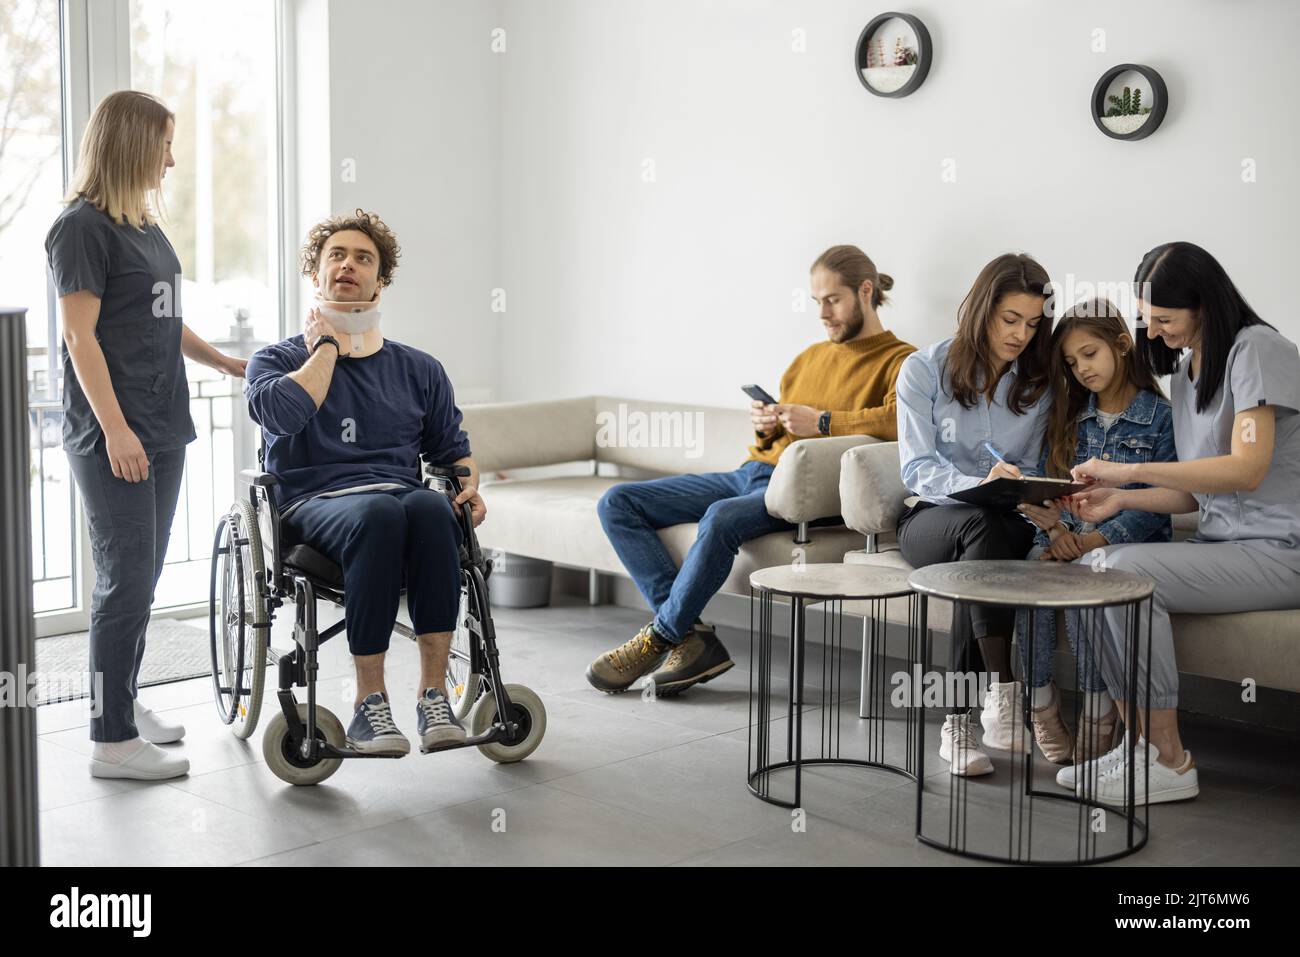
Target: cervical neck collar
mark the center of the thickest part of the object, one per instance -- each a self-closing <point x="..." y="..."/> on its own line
<point x="357" y="324"/>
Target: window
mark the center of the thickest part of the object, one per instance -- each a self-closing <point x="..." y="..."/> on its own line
<point x="217" y="68"/>
<point x="31" y="186"/>
<point x="214" y="66"/>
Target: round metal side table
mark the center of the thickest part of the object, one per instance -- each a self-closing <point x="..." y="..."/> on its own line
<point x="878" y="737"/>
<point x="1019" y="814"/>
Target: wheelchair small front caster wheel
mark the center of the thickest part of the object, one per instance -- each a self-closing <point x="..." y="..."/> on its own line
<point x="527" y="711"/>
<point x="283" y="758"/>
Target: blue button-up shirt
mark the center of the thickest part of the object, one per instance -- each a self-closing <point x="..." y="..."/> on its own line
<point x="941" y="444"/>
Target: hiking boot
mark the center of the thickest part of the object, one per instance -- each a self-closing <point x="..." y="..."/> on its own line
<point x="616" y="670"/>
<point x="698" y="658"/>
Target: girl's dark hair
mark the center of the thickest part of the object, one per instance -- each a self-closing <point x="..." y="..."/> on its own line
<point x="970" y="368"/>
<point x="1100" y="318"/>
<point x="1185" y="276"/>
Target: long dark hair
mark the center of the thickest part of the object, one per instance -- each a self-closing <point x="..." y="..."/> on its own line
<point x="970" y="368"/>
<point x="1185" y="276"/>
<point x="1100" y="318"/>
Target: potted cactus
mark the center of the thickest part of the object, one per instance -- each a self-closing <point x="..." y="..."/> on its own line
<point x="1125" y="112"/>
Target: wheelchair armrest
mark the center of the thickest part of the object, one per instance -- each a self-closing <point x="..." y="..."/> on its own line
<point x="258" y="477"/>
<point x="446" y="471"/>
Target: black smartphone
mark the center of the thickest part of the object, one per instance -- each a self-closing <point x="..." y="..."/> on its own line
<point x="757" y="393"/>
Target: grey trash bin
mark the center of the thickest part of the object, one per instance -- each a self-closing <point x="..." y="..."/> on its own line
<point x="519" y="582"/>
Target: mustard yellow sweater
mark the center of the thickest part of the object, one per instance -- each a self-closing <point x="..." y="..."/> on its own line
<point x="854" y="380"/>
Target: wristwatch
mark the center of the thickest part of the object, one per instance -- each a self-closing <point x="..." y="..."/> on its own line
<point x="331" y="340"/>
<point x="824" y="423"/>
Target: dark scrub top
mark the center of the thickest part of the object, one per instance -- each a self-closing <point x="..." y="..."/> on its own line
<point x="139" y="330"/>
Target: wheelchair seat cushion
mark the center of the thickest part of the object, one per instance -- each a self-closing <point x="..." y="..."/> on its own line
<point x="317" y="566"/>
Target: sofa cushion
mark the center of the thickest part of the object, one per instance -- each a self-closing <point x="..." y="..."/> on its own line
<point x="514" y="435"/>
<point x="670" y="438"/>
<point x="871" y="490"/>
<point x="805" y="485"/>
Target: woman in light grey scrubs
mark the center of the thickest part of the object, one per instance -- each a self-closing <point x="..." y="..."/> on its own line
<point x="1235" y="397"/>
<point x="126" y="407"/>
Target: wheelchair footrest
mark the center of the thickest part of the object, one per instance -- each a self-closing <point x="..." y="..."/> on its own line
<point x="495" y="733"/>
<point x="329" y="751"/>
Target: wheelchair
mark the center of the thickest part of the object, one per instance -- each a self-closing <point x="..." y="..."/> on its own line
<point x="253" y="574"/>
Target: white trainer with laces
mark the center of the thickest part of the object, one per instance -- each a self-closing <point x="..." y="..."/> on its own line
<point x="958" y="747"/>
<point x="154" y="728"/>
<point x="1074" y="776"/>
<point x="1153" y="782"/>
<point x="1002" y="720"/>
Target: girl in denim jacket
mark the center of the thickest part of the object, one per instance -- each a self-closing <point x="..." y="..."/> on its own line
<point x="1104" y="406"/>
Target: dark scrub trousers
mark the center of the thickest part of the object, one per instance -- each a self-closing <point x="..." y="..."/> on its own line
<point x="136" y="275"/>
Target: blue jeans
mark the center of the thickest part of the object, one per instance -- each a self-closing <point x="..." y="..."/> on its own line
<point x="729" y="507"/>
<point x="1039" y="670"/>
<point x="129" y="523"/>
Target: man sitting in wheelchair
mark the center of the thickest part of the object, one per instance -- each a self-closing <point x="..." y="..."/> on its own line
<point x="345" y="416"/>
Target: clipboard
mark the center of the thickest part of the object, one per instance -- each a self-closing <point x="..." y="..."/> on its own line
<point x="1007" y="493"/>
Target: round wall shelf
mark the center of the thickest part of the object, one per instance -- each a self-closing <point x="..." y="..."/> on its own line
<point x="893" y="54"/>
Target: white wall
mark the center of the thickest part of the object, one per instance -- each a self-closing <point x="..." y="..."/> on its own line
<point x="407" y="91"/>
<point x="681" y="288"/>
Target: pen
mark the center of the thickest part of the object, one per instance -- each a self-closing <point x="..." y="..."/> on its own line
<point x="996" y="454"/>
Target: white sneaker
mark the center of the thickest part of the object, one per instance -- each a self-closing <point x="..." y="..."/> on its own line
<point x="957" y="735"/>
<point x="1164" y="784"/>
<point x="154" y="728"/>
<point x="1004" y="725"/>
<point x="145" y="762"/>
<point x="1072" y="779"/>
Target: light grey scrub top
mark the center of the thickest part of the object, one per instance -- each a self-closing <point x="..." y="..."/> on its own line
<point x="1263" y="369"/>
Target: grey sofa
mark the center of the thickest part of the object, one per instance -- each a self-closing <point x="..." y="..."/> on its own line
<point x="553" y="516"/>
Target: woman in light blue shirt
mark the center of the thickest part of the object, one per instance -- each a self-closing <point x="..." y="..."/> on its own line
<point x="986" y="386"/>
<point x="1235" y="394"/>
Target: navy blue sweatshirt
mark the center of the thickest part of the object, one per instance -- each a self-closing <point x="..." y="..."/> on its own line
<point x="380" y="413"/>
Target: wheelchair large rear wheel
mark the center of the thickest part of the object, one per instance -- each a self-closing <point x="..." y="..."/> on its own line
<point x="527" y="711"/>
<point x="283" y="758"/>
<point x="237" y="622"/>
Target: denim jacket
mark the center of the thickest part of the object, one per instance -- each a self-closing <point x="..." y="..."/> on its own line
<point x="1144" y="432"/>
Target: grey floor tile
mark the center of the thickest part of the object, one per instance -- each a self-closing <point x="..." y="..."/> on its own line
<point x="535" y="825"/>
<point x="158" y="825"/>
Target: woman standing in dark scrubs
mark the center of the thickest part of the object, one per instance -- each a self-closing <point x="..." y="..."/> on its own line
<point x="126" y="406"/>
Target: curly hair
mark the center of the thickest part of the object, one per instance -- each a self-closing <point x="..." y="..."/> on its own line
<point x="363" y="222"/>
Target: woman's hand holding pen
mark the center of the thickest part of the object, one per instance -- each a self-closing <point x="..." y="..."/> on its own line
<point x="1002" y="470"/>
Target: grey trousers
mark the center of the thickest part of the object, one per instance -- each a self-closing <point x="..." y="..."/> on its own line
<point x="130" y="523"/>
<point x="1194" y="578"/>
